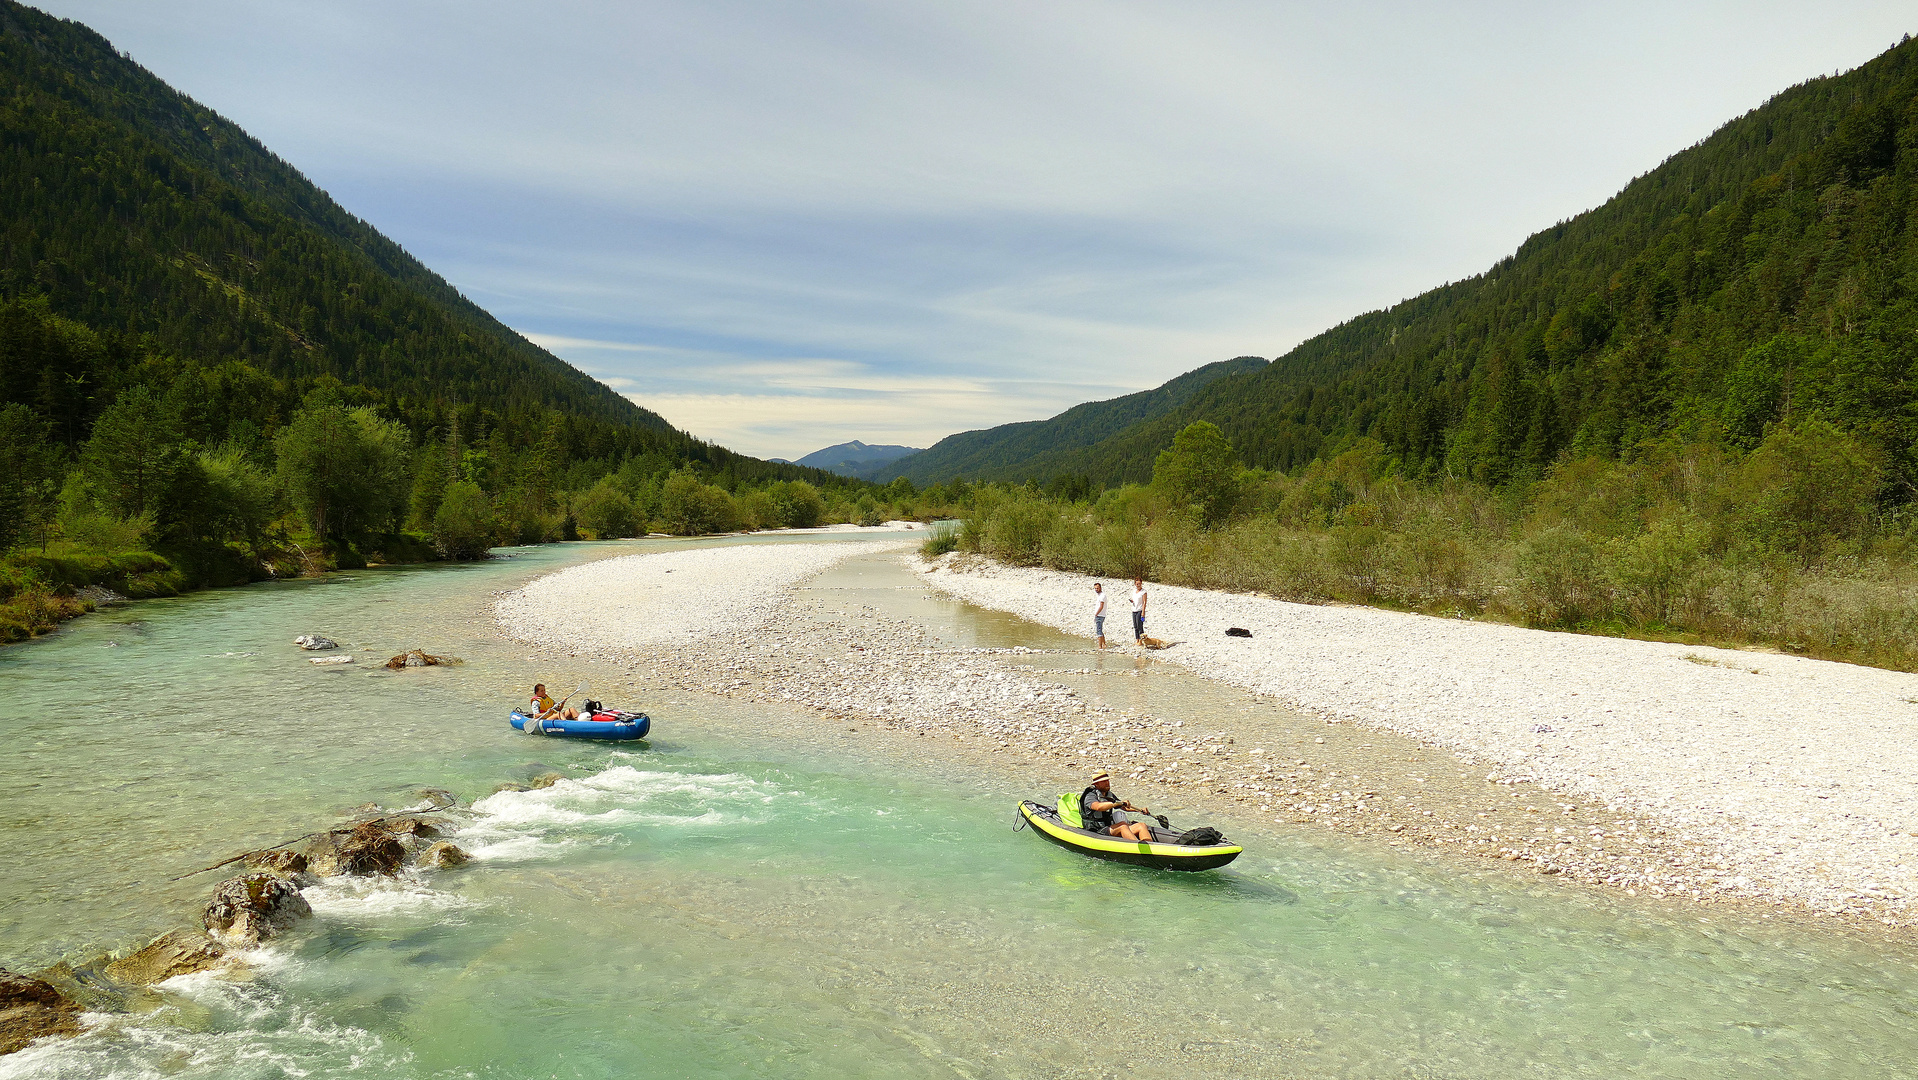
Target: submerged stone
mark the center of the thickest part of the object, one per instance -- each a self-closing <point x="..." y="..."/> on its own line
<point x="179" y="952"/>
<point x="444" y="854"/>
<point x="32" y="1009"/>
<point x="411" y="826"/>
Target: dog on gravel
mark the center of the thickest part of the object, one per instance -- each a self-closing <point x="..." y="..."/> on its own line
<point x="1153" y="643"/>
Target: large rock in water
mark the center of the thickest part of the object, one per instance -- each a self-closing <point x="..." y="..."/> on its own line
<point x="248" y="910"/>
<point x="282" y="861"/>
<point x="180" y="952"/>
<point x="411" y="826"/>
<point x="367" y="849"/>
<point x="416" y="658"/>
<point x="443" y="855"/>
<point x="315" y="642"/>
<point x="32" y="1009"/>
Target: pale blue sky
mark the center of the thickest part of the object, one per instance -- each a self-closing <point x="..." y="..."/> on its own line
<point x="788" y="225"/>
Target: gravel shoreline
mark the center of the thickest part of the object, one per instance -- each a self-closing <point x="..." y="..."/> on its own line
<point x="1788" y="778"/>
<point x="1675" y="770"/>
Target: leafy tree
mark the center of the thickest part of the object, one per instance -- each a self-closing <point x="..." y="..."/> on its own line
<point x="796" y="504"/>
<point x="236" y="499"/>
<point x="29" y="471"/>
<point x="1806" y="488"/>
<point x="463" y="527"/>
<point x="1199" y="470"/>
<point x="690" y="508"/>
<point x="606" y="512"/>
<point x="433" y="470"/>
<point x="344" y="469"/>
<point x="136" y="457"/>
<point x="756" y="510"/>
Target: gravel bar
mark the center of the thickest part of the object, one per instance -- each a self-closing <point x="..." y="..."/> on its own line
<point x="639" y="601"/>
<point x="1793" y="776"/>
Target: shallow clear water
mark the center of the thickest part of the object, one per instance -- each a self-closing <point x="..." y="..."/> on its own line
<point x="719" y="902"/>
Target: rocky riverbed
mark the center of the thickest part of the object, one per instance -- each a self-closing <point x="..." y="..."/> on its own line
<point x="1624" y="764"/>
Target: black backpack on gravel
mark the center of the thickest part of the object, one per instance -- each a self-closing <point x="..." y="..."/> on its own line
<point x="1203" y="836"/>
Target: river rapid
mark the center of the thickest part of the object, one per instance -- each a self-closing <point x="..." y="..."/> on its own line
<point x="726" y="901"/>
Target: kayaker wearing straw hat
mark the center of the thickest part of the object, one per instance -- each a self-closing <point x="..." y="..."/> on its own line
<point x="1097" y="807"/>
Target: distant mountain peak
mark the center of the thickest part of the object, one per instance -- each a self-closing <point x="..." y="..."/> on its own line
<point x="855" y="458"/>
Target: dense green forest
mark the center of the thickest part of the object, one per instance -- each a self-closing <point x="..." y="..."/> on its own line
<point x="1765" y="275"/>
<point x="133" y="209"/>
<point x="211" y="373"/>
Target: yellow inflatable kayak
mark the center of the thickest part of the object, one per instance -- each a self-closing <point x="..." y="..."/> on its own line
<point x="1164" y="852"/>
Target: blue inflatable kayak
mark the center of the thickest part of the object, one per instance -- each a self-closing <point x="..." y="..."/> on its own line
<point x="625" y="725"/>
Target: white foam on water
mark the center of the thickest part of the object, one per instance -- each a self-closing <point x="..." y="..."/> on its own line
<point x="358" y="899"/>
<point x="617" y="796"/>
<point x="259" y="1035"/>
<point x="517" y="849"/>
<point x="212" y="985"/>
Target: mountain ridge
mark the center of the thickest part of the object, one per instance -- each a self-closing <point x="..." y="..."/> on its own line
<point x="131" y="207"/>
<point x="1767" y="271"/>
<point x="1026" y="449"/>
<point x="856" y="459"/>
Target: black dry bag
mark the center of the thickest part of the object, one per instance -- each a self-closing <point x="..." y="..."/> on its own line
<point x="1203" y="836"/>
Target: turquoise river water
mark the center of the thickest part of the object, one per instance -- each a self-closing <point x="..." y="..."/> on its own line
<point x="724" y="902"/>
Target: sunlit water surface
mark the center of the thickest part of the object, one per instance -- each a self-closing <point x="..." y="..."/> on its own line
<point x="722" y="902"/>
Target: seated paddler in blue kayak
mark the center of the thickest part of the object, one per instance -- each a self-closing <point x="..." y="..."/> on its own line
<point x="1099" y="807"/>
<point x="542" y="704"/>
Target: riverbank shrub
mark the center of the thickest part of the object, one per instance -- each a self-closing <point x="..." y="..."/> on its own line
<point x="606" y="513"/>
<point x="1781" y="546"/>
<point x="796" y="504"/>
<point x="463" y="526"/>
<point x="943" y="538"/>
<point x="688" y="507"/>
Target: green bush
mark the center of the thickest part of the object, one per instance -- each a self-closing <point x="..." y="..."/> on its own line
<point x="757" y="511"/>
<point x="606" y="513"/>
<point x="463" y="527"/>
<point x="798" y="505"/>
<point x="690" y="508"/>
<point x="943" y="538"/>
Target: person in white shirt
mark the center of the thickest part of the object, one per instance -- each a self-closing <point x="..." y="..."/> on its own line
<point x="1099" y="612"/>
<point x="1138" y="610"/>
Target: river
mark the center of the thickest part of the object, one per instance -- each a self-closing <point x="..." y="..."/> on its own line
<point x="722" y="901"/>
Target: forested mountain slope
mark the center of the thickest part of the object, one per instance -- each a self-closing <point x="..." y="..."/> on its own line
<point x="1768" y="273"/>
<point x="209" y="371"/>
<point x="133" y="209"/>
<point x="1035" y="447"/>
